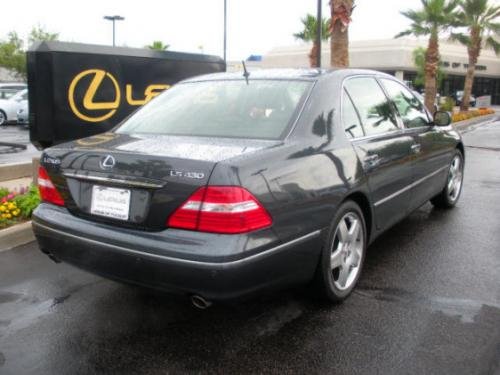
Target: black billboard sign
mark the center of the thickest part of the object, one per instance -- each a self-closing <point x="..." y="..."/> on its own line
<point x="77" y="90"/>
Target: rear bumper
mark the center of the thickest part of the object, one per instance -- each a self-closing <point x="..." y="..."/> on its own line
<point x="177" y="261"/>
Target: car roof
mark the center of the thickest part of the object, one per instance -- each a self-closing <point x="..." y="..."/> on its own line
<point x="12" y="84"/>
<point x="309" y="74"/>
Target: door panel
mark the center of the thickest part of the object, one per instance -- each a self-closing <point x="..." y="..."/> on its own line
<point x="384" y="151"/>
<point x="386" y="162"/>
<point x="428" y="150"/>
<point x="429" y="164"/>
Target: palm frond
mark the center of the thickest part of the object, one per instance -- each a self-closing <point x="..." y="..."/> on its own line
<point x="493" y="27"/>
<point x="309" y="30"/>
<point x="493" y="44"/>
<point x="461" y="38"/>
<point x="403" y="33"/>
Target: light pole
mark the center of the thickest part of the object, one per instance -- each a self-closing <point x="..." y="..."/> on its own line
<point x="319" y="25"/>
<point x="225" y="29"/>
<point x="114" y="18"/>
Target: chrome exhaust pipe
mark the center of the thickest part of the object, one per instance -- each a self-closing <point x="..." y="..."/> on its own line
<point x="200" y="302"/>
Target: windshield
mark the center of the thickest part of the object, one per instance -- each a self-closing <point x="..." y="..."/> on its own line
<point x="261" y="109"/>
<point x="20" y="95"/>
<point x="7" y="93"/>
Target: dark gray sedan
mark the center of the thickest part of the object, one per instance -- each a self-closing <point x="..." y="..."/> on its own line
<point x="223" y="186"/>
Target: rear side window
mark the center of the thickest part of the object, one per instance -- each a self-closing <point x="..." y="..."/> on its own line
<point x="259" y="109"/>
<point x="410" y="109"/>
<point x="350" y="119"/>
<point x="375" y="110"/>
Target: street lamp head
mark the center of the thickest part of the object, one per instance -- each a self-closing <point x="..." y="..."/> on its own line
<point x="114" y="18"/>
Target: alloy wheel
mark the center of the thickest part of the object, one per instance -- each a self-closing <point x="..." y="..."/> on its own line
<point x="347" y="251"/>
<point x="454" y="184"/>
<point x="2" y="118"/>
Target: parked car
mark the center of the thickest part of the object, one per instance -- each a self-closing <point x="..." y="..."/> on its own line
<point x="9" y="89"/>
<point x="23" y="113"/>
<point x="9" y="107"/>
<point x="221" y="187"/>
<point x="458" y="95"/>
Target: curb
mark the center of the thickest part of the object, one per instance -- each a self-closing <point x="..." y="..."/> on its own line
<point x="15" y="171"/>
<point x="463" y="126"/>
<point x="16" y="235"/>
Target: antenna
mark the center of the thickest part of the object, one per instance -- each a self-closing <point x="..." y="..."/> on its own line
<point x="245" y="71"/>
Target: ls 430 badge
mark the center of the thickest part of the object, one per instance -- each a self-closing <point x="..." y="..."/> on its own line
<point x="195" y="175"/>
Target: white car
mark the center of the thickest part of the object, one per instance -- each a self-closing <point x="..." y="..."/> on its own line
<point x="9" y="89"/>
<point x="9" y="107"/>
<point x="23" y="114"/>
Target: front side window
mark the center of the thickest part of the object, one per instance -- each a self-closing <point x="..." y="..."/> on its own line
<point x="410" y="109"/>
<point x="259" y="109"/>
<point x="350" y="119"/>
<point x="375" y="110"/>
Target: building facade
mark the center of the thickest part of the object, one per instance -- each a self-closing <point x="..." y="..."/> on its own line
<point x="395" y="56"/>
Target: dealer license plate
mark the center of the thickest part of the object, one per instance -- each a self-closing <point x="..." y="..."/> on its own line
<point x="110" y="202"/>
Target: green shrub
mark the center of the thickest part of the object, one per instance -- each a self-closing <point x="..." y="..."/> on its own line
<point x="28" y="201"/>
<point x="3" y="192"/>
<point x="16" y="207"/>
<point x="447" y="105"/>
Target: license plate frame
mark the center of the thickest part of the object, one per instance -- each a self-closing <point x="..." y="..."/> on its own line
<point x="110" y="202"/>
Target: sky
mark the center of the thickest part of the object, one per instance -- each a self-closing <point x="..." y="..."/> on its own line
<point x="254" y="26"/>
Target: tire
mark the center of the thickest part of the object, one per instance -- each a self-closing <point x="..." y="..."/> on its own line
<point x="343" y="254"/>
<point x="448" y="197"/>
<point x="3" y="118"/>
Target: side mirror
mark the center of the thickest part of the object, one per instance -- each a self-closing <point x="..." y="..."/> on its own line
<point x="442" y="118"/>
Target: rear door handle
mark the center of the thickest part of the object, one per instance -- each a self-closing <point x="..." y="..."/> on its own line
<point x="372" y="160"/>
<point x="416" y="148"/>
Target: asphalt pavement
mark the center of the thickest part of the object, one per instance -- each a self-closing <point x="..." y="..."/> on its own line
<point x="18" y="135"/>
<point x="428" y="303"/>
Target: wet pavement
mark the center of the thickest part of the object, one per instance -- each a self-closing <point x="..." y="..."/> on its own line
<point x="19" y="135"/>
<point x="428" y="303"/>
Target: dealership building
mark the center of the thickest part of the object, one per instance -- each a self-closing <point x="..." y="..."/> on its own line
<point x="395" y="56"/>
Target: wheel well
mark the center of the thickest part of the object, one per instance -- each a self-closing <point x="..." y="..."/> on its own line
<point x="363" y="202"/>
<point x="460" y="146"/>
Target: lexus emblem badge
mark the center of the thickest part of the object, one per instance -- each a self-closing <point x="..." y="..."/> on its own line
<point x="107" y="162"/>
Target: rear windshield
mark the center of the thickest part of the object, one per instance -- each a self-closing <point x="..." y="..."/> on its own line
<point x="261" y="109"/>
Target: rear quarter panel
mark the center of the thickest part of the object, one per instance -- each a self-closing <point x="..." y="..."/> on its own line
<point x="302" y="181"/>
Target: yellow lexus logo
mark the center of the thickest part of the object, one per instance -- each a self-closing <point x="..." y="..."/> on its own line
<point x="88" y="99"/>
<point x="99" y="78"/>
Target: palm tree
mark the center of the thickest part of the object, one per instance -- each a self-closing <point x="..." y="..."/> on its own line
<point x="479" y="17"/>
<point x="308" y="34"/>
<point x="419" y="63"/>
<point x="341" y="11"/>
<point x="435" y="17"/>
<point x="158" y="45"/>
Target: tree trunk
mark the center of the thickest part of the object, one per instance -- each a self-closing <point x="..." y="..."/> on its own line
<point x="473" y="50"/>
<point x="431" y="65"/>
<point x="313" y="55"/>
<point x="339" y="41"/>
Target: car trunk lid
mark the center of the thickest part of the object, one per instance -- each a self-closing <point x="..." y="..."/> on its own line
<point x="139" y="180"/>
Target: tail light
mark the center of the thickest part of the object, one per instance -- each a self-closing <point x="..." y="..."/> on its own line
<point x="221" y="209"/>
<point x="48" y="191"/>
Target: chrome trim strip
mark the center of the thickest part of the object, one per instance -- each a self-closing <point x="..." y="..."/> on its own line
<point x="185" y="261"/>
<point x="119" y="181"/>
<point x="383" y="200"/>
